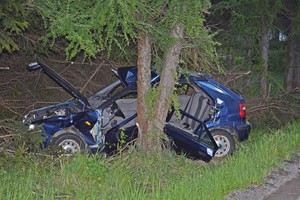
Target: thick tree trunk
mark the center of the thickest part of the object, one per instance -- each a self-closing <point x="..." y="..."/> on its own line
<point x="149" y="135"/>
<point x="143" y="87"/>
<point x="167" y="80"/>
<point x="265" y="43"/>
<point x="151" y="129"/>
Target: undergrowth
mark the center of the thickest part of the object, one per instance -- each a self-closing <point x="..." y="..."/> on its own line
<point x="132" y="176"/>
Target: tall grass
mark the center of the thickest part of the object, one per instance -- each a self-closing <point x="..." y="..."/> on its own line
<point x="136" y="177"/>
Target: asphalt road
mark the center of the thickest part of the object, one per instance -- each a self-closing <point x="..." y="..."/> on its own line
<point x="289" y="191"/>
<point x="282" y="184"/>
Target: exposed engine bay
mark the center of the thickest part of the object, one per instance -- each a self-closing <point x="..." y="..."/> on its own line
<point x="58" y="110"/>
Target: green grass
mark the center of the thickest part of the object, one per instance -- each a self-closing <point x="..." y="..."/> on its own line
<point x="136" y="177"/>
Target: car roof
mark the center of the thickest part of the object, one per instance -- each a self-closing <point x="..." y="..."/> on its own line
<point x="191" y="78"/>
<point x="128" y="75"/>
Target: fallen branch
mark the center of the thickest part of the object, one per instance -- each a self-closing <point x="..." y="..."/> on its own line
<point x="239" y="76"/>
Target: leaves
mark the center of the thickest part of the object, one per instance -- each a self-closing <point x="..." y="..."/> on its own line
<point x="95" y="26"/>
<point x="12" y="23"/>
<point x="89" y="26"/>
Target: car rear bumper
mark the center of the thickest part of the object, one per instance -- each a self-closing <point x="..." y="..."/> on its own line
<point x="243" y="131"/>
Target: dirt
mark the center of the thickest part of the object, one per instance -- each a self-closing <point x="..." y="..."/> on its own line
<point x="283" y="183"/>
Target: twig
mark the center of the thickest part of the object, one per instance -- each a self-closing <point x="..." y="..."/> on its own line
<point x="92" y="76"/>
<point x="10" y="135"/>
<point x="10" y="109"/>
<point x="239" y="76"/>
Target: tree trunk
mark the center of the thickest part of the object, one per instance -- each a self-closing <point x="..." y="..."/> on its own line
<point x="143" y="87"/>
<point x="292" y="78"/>
<point x="265" y="43"/>
<point x="167" y="80"/>
<point x="150" y="129"/>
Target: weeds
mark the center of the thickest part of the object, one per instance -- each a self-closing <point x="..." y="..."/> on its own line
<point x="132" y="176"/>
<point x="15" y="138"/>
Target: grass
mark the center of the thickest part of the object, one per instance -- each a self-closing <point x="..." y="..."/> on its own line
<point x="136" y="177"/>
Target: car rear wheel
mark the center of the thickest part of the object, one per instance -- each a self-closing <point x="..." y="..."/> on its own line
<point x="225" y="143"/>
<point x="69" y="143"/>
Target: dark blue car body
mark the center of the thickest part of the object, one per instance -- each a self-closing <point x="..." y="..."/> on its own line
<point x="229" y="105"/>
<point x="102" y="121"/>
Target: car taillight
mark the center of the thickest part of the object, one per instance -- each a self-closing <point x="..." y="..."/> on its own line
<point x="242" y="110"/>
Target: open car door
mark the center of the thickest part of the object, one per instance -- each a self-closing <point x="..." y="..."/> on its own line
<point x="190" y="134"/>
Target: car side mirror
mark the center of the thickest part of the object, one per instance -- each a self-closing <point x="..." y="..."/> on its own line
<point x="34" y="66"/>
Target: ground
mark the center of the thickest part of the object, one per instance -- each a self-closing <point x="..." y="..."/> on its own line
<point x="283" y="183"/>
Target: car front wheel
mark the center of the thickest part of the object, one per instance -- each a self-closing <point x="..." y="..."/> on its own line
<point x="69" y="143"/>
<point x="225" y="143"/>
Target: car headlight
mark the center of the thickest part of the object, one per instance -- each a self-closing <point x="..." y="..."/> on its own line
<point x="210" y="152"/>
<point x="31" y="127"/>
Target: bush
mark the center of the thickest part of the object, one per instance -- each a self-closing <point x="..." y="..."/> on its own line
<point x="15" y="138"/>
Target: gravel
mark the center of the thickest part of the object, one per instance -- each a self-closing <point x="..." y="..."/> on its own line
<point x="283" y="183"/>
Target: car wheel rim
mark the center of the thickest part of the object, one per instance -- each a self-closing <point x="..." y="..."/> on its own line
<point x="70" y="147"/>
<point x="223" y="144"/>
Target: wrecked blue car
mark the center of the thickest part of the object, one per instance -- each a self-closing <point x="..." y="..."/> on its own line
<point x="211" y="116"/>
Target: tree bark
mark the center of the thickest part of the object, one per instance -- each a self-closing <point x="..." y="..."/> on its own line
<point x="265" y="43"/>
<point x="143" y="87"/>
<point x="167" y="80"/>
<point x="151" y="129"/>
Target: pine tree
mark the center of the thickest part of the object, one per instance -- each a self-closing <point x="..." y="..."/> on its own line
<point x="12" y="23"/>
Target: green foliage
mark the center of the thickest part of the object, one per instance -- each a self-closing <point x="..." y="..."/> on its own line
<point x="89" y="26"/>
<point x="12" y="23"/>
<point x="242" y="23"/>
<point x="248" y="17"/>
<point x="15" y="137"/>
<point x="296" y="20"/>
<point x="175" y="104"/>
<point x="94" y="26"/>
<point x="177" y="90"/>
<point x="150" y="100"/>
<point x="277" y="57"/>
<point x="200" y="52"/>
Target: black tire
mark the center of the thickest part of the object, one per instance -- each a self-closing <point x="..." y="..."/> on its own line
<point x="225" y="142"/>
<point x="69" y="143"/>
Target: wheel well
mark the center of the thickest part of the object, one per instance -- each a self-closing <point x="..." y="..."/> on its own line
<point x="69" y="141"/>
<point x="225" y="128"/>
<point x="70" y="129"/>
